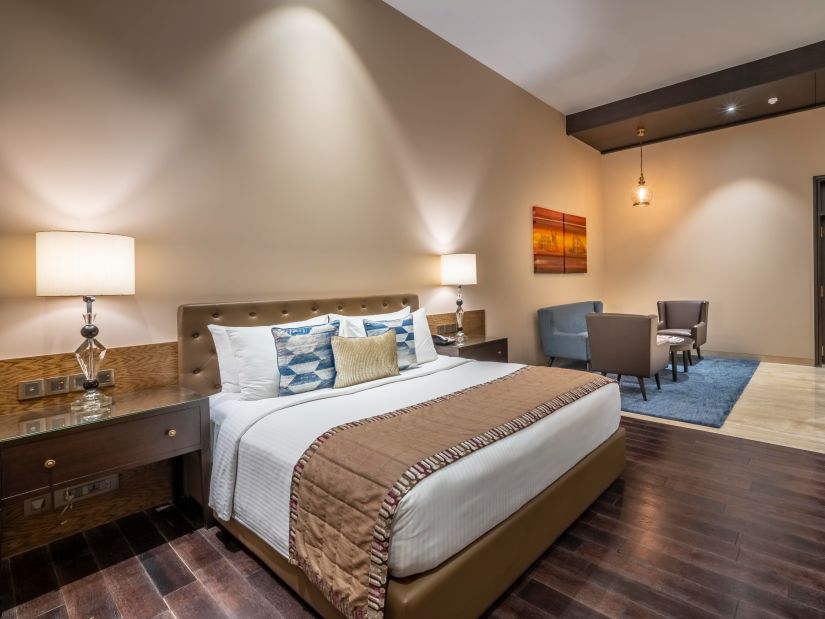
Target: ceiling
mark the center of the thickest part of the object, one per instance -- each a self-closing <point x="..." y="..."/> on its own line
<point x="579" y="54"/>
<point x="788" y="82"/>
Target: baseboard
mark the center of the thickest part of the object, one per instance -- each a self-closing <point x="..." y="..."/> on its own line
<point x="765" y="358"/>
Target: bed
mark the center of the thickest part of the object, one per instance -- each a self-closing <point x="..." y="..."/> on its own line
<point x="460" y="537"/>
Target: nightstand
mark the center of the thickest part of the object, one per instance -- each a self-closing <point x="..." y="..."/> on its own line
<point x="480" y="348"/>
<point x="45" y="454"/>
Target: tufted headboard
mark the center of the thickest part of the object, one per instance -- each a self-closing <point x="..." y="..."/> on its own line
<point x="197" y="361"/>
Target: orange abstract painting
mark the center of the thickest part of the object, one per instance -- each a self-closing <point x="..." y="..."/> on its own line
<point x="559" y="242"/>
<point x="548" y="241"/>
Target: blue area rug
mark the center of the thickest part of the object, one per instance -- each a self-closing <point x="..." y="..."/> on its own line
<point x="704" y="396"/>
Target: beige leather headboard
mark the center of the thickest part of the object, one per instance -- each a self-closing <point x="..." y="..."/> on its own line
<point x="197" y="362"/>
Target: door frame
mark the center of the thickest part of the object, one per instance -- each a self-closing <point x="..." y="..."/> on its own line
<point x="819" y="212"/>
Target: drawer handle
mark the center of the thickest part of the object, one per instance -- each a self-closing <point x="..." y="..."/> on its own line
<point x="172" y="433"/>
<point x="499" y="352"/>
<point x="50" y="463"/>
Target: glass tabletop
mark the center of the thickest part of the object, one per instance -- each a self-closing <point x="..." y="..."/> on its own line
<point x="26" y="423"/>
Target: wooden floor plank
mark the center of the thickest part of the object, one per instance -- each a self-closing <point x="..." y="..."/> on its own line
<point x="233" y="593"/>
<point x="166" y="569"/>
<point x="133" y="592"/>
<point x="556" y="603"/>
<point x="577" y="586"/>
<point x="194" y="602"/>
<point x="670" y="583"/>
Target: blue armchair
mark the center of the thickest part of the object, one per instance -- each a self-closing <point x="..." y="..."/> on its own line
<point x="563" y="330"/>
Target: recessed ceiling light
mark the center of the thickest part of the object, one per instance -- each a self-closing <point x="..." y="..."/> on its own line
<point x="773" y="100"/>
<point x="730" y="109"/>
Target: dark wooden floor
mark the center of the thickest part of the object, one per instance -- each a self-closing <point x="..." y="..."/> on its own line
<point x="699" y="525"/>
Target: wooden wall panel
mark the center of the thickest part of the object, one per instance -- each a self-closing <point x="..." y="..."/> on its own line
<point x="474" y="322"/>
<point x="136" y="367"/>
<point x="140" y="488"/>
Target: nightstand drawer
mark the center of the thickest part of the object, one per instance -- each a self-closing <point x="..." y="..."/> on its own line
<point x="37" y="464"/>
<point x="488" y="351"/>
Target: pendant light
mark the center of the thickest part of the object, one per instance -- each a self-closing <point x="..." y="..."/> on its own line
<point x="641" y="193"/>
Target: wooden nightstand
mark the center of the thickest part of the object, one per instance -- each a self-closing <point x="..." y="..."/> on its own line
<point x="480" y="348"/>
<point x="45" y="453"/>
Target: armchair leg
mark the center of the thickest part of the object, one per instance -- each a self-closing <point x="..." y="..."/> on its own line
<point x="550" y="361"/>
<point x="588" y="366"/>
<point x="618" y="378"/>
<point x="658" y="381"/>
<point x="699" y="352"/>
<point x="642" y="387"/>
<point x="690" y="357"/>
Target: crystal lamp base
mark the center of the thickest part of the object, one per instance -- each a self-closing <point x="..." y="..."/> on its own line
<point x="93" y="405"/>
<point x="459" y="318"/>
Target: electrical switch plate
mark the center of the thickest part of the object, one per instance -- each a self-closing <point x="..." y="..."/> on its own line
<point x="30" y="389"/>
<point x="57" y="384"/>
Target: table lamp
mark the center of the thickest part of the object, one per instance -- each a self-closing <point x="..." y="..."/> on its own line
<point x="86" y="264"/>
<point x="458" y="270"/>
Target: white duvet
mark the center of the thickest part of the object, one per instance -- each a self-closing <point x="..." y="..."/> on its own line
<point x="256" y="446"/>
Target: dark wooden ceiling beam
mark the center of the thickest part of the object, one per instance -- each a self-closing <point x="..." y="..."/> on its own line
<point x="770" y="69"/>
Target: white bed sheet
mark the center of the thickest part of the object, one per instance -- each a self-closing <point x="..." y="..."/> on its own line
<point x="443" y="513"/>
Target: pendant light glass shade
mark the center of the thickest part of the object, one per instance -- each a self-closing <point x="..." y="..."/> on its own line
<point x="641" y="193"/>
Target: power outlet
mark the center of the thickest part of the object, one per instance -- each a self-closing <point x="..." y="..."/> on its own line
<point x="37" y="505"/>
<point x="445" y="329"/>
<point x="86" y="491"/>
<point x="76" y="382"/>
<point x="106" y="378"/>
<point x="56" y="385"/>
<point x="30" y="389"/>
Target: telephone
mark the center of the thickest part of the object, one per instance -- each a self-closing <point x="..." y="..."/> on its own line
<point x="443" y="340"/>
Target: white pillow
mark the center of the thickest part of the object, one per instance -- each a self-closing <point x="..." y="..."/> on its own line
<point x="257" y="359"/>
<point x="227" y="366"/>
<point x="424" y="347"/>
<point x="353" y="326"/>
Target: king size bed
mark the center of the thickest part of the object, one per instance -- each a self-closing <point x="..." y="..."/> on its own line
<point x="438" y="540"/>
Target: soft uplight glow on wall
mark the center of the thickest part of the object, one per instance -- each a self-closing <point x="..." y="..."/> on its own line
<point x="322" y="96"/>
<point x="84" y="130"/>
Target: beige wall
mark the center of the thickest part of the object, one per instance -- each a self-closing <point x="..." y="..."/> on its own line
<point x="731" y="222"/>
<point x="272" y="150"/>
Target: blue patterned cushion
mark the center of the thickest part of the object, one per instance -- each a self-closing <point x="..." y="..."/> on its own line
<point x="305" y="357"/>
<point x="404" y="338"/>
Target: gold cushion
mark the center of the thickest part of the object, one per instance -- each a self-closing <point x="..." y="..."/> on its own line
<point x="361" y="359"/>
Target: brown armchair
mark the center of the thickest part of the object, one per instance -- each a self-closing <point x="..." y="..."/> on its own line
<point x="685" y="319"/>
<point x="627" y="344"/>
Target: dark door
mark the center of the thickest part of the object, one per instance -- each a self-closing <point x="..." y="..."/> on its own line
<point x="819" y="269"/>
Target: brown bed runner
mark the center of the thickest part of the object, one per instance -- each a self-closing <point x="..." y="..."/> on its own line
<point x="349" y="482"/>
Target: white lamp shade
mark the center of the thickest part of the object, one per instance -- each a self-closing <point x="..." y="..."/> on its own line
<point x="84" y="263"/>
<point x="458" y="269"/>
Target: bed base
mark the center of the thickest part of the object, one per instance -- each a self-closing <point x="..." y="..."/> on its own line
<point x="469" y="582"/>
